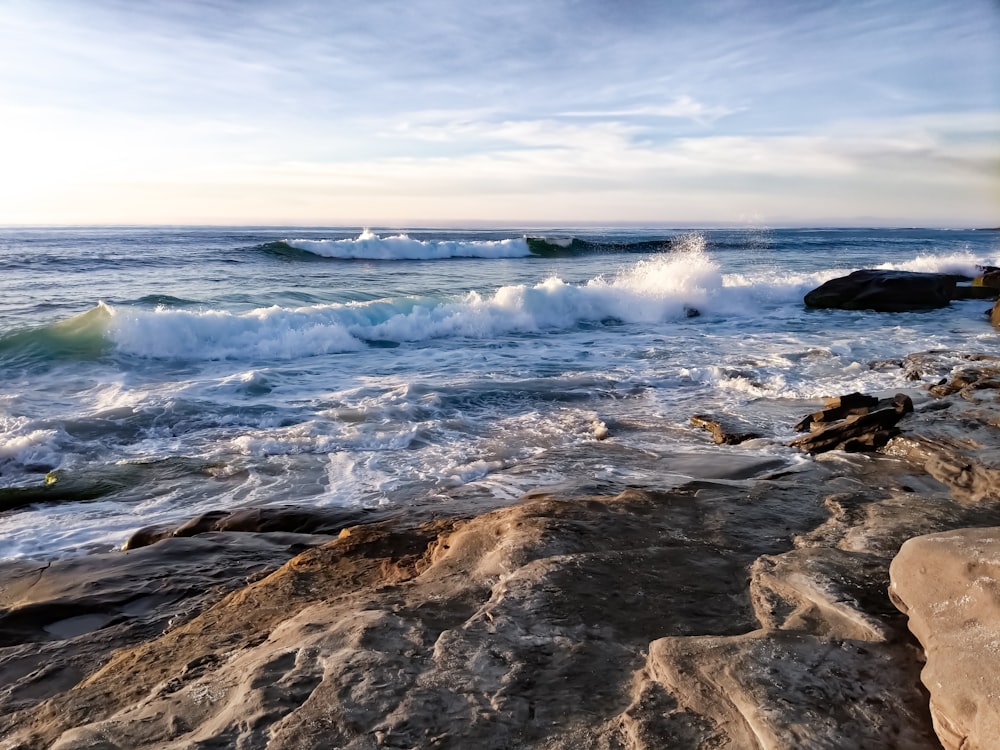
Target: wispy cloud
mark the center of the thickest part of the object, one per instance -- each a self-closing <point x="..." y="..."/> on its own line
<point x="569" y="102"/>
<point x="684" y="107"/>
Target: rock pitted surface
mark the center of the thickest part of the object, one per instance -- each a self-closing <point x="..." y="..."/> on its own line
<point x="949" y="586"/>
<point x="621" y="621"/>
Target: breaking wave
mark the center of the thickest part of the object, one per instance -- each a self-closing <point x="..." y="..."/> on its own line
<point x="657" y="289"/>
<point x="660" y="288"/>
<point x="370" y="246"/>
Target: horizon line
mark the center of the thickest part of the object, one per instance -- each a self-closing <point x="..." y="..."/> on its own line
<point x="501" y="224"/>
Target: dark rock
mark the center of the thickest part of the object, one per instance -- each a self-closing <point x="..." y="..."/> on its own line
<point x="884" y="291"/>
<point x="268" y="519"/>
<point x="975" y="291"/>
<point x="885" y="364"/>
<point x="724" y="432"/>
<point x="839" y="407"/>
<point x="858" y="432"/>
<point x="985" y="286"/>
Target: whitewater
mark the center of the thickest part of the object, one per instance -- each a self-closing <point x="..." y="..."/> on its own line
<point x="150" y="374"/>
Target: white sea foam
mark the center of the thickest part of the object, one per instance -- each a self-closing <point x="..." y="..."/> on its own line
<point x="24" y="447"/>
<point x="662" y="288"/>
<point x="963" y="264"/>
<point x="271" y="332"/>
<point x="653" y="290"/>
<point x="39" y="530"/>
<point x="370" y="246"/>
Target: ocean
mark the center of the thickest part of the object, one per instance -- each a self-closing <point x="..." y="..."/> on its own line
<point x="151" y="374"/>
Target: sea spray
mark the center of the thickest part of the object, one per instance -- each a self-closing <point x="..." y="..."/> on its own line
<point x="961" y="264"/>
<point x="666" y="286"/>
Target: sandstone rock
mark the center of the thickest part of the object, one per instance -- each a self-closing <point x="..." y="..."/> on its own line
<point x="967" y="379"/>
<point x="957" y="464"/>
<point x="600" y="622"/>
<point x="957" y="440"/>
<point x="61" y="620"/>
<point x="884" y="291"/>
<point x="732" y="688"/>
<point x="949" y="586"/>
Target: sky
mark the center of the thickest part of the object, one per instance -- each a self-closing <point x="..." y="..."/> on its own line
<point x="436" y="112"/>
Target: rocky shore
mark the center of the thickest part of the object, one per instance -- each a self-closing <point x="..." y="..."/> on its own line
<point x="848" y="602"/>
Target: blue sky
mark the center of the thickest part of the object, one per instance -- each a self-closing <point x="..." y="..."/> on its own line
<point x="429" y="112"/>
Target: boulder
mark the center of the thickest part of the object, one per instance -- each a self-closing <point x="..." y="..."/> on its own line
<point x="863" y="430"/>
<point x="836" y="408"/>
<point x="995" y="315"/>
<point x="884" y="291"/>
<point x="949" y="586"/>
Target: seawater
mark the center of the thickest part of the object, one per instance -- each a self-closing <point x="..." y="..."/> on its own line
<point x="149" y="374"/>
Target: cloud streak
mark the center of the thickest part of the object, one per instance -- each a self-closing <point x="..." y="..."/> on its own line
<point x="711" y="108"/>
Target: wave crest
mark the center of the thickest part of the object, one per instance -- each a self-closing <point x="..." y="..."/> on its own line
<point x="80" y="337"/>
<point x="370" y="246"/>
<point x="656" y="289"/>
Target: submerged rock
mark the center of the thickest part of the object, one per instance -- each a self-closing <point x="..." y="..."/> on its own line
<point x="725" y="431"/>
<point x="884" y="291"/>
<point x="269" y="518"/>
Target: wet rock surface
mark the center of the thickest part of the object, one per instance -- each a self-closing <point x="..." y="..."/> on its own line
<point x="885" y="291"/>
<point x="751" y="610"/>
<point x="725" y="430"/>
<point x="267" y="519"/>
<point x="853" y="423"/>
